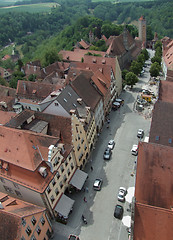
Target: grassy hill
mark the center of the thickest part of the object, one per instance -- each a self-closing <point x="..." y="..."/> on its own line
<point x="32" y="8"/>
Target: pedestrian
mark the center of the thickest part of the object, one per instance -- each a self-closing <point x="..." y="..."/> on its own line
<point x="87" y="189"/>
<point x="91" y="168"/>
<point x="85" y="200"/>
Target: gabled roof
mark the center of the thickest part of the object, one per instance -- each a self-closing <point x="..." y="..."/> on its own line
<point x="102" y="83"/>
<point x="165" y="91"/>
<point x="117" y="44"/>
<point x="83" y="86"/>
<point x="169" y="75"/>
<point x="104" y="68"/>
<point x="22" y="148"/>
<point x="154" y="175"/>
<point x="68" y="99"/>
<point x="162" y="116"/>
<point x="7" y="91"/>
<point x="6" y="103"/>
<point x="77" y="54"/>
<point x="168" y="56"/>
<point x="11" y="216"/>
<point x="84" y="44"/>
<point x="152" y="223"/>
<point x="6" y="117"/>
<point x="101" y="61"/>
<point x="34" y="90"/>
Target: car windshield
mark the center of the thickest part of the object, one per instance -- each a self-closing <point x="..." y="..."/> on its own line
<point x="96" y="183"/>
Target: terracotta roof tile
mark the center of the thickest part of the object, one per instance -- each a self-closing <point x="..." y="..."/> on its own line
<point x="6" y="117"/>
<point x="162" y="116"/>
<point x="85" y="90"/>
<point x="154" y="175"/>
<point x="77" y="54"/>
<point x="152" y="223"/>
<point x="41" y="90"/>
<point x="165" y="91"/>
<point x="7" y="92"/>
<point x="25" y="153"/>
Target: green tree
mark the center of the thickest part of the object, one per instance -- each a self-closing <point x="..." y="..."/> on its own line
<point x="124" y="72"/>
<point x="141" y="59"/>
<point x="145" y="53"/>
<point x="50" y="57"/>
<point x="32" y="78"/>
<point x="20" y="64"/>
<point x="136" y="67"/>
<point x="158" y="44"/>
<point x="3" y="82"/>
<point x="131" y="79"/>
<point x="155" y="69"/>
<point x="156" y="59"/>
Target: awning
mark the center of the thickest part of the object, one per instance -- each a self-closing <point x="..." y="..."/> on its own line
<point x="78" y="179"/>
<point x="64" y="206"/>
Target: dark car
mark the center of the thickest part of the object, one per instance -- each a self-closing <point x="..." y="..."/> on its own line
<point x="119" y="210"/>
<point x="73" y="237"/>
<point x="107" y="154"/>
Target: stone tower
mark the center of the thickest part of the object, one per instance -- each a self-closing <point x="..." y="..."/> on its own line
<point x="142" y="30"/>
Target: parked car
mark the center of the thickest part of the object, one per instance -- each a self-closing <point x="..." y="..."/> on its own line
<point x="111" y="144"/>
<point x="121" y="194"/>
<point x="73" y="237"/>
<point x="107" y="153"/>
<point x="118" y="212"/>
<point x="115" y="105"/>
<point x="97" y="184"/>
<point x="140" y="133"/>
<point x="134" y="150"/>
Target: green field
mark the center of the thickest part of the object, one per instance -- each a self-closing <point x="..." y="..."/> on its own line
<point x="121" y="1"/>
<point x="32" y="8"/>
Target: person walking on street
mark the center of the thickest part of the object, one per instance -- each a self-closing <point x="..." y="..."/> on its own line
<point x="85" y="200"/>
<point x="91" y="168"/>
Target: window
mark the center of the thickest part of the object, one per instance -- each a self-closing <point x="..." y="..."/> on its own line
<point x="28" y="230"/>
<point x="16" y="185"/>
<point x="62" y="168"/>
<point x="23" y="222"/>
<point x="56" y="161"/>
<point x="53" y="182"/>
<point x="48" y="189"/>
<point x="7" y="189"/>
<point x="38" y="230"/>
<point x="65" y="178"/>
<point x="57" y="175"/>
<point x="69" y="158"/>
<point x="52" y="198"/>
<point x="68" y="172"/>
<point x="78" y="147"/>
<point x="2" y="180"/>
<point x="33" y="238"/>
<point x="61" y="185"/>
<point x="66" y="163"/>
<point x="72" y="166"/>
<point x="42" y="221"/>
<point x="56" y="191"/>
<point x="82" y="140"/>
<point x="33" y="220"/>
<point x="18" y="193"/>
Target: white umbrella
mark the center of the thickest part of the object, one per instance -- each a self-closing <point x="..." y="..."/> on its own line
<point x="130" y="194"/>
<point x="126" y="221"/>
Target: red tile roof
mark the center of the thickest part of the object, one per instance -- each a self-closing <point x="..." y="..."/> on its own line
<point x="25" y="153"/>
<point x="154" y="175"/>
<point x="162" y="116"/>
<point x="83" y="44"/>
<point x="77" y="54"/>
<point x="6" y="116"/>
<point x="11" y="216"/>
<point x="7" y="92"/>
<point x="152" y="223"/>
<point x="83" y="87"/>
<point x="168" y="56"/>
<point x="101" y="61"/>
<point x="165" y="91"/>
<point x="34" y="90"/>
